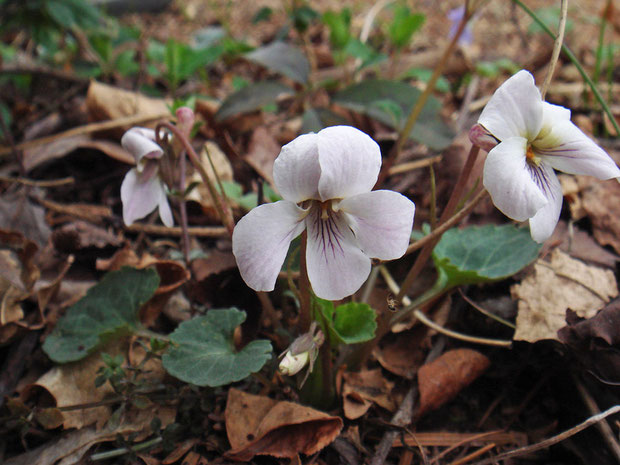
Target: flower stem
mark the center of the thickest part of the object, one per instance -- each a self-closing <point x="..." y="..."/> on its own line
<point x="223" y="209"/>
<point x="305" y="310"/>
<point x="456" y="195"/>
<point x="571" y="56"/>
<point x="403" y="136"/>
<point x="557" y="46"/>
<point x="183" y="207"/>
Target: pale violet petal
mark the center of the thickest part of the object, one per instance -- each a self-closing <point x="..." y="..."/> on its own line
<point x="515" y="109"/>
<point x="350" y="162"/>
<point x="511" y="181"/>
<point x="140" y="195"/>
<point x="140" y="142"/>
<point x="296" y="171"/>
<point x="165" y="213"/>
<point x="336" y="265"/>
<point x="381" y="221"/>
<point x="543" y="222"/>
<point x="261" y="240"/>
<point x="568" y="149"/>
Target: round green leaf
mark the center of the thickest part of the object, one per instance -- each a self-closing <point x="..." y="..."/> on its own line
<point x="203" y="353"/>
<point x="109" y="309"/>
<point x="486" y="253"/>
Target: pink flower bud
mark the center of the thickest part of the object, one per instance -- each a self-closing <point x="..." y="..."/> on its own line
<point x="482" y="138"/>
<point x="185" y="120"/>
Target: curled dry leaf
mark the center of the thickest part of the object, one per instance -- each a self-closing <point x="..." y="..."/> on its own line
<point x="262" y="152"/>
<point x="105" y="102"/>
<point x="362" y="389"/>
<point x="79" y="235"/>
<point x="73" y="384"/>
<point x="552" y="288"/>
<point x="602" y="204"/>
<point x="71" y="448"/>
<point x="442" y="379"/>
<point x="59" y="148"/>
<point x="258" y="425"/>
<point x="581" y="245"/>
<point x="400" y="353"/>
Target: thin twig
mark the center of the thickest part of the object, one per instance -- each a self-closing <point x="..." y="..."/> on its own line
<point x="414" y="165"/>
<point x="453" y="201"/>
<point x="603" y="426"/>
<point x="456" y="335"/>
<point x="438" y="232"/>
<point x="88" y="129"/>
<point x="571" y="56"/>
<point x="36" y="183"/>
<point x="401" y="418"/>
<point x="557" y="47"/>
<point x="223" y="209"/>
<point x="485" y="312"/>
<point x="553" y="440"/>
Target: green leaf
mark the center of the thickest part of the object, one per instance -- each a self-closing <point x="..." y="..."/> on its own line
<point x="424" y="75"/>
<point x="480" y="254"/>
<point x="282" y="58"/>
<point x="350" y="323"/>
<point x="363" y="97"/>
<point x="109" y="309"/>
<point x="315" y="119"/>
<point x="250" y="98"/>
<point x="203" y="352"/>
<point x="339" y="25"/>
<point x="404" y="26"/>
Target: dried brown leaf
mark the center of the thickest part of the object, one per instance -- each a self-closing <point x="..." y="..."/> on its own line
<point x="602" y="204"/>
<point x="105" y="102"/>
<point x="258" y="425"/>
<point x="262" y="152"/>
<point x="73" y="384"/>
<point x="442" y="379"/>
<point x="362" y="389"/>
<point x="41" y="154"/>
<point x="552" y="288"/>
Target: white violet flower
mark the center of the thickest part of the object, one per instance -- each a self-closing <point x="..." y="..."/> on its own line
<point x="142" y="189"/>
<point x="532" y="138"/>
<point x="326" y="181"/>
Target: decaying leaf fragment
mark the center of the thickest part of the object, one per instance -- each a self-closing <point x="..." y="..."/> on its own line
<point x="442" y="379"/>
<point x="555" y="286"/>
<point x="364" y="388"/>
<point x="258" y="425"/>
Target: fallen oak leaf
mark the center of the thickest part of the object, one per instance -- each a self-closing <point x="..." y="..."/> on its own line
<point x="554" y="287"/>
<point x="258" y="425"/>
<point x="442" y="379"/>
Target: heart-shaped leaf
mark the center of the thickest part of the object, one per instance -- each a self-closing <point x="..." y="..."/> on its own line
<point x="480" y="254"/>
<point x="250" y="98"/>
<point x="203" y="352"/>
<point x="349" y="323"/>
<point x="282" y="58"/>
<point x="370" y="96"/>
<point x="109" y="309"/>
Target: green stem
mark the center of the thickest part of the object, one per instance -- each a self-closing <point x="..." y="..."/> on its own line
<point x="441" y="285"/>
<point x="124" y="450"/>
<point x="403" y="136"/>
<point x="570" y="55"/>
<point x="601" y="38"/>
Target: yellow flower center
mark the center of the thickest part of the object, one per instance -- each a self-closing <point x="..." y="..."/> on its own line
<point x="531" y="157"/>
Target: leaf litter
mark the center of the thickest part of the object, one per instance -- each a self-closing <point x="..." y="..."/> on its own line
<point x="560" y="298"/>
